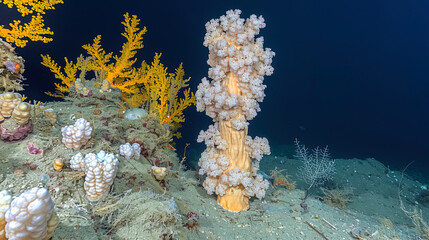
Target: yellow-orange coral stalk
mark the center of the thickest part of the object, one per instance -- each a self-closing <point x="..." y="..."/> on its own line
<point x="234" y="198"/>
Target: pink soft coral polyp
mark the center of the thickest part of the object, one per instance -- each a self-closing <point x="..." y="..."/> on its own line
<point x="33" y="149"/>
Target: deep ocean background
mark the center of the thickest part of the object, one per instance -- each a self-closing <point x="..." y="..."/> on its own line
<point x="353" y="75"/>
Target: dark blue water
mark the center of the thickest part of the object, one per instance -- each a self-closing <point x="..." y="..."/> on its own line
<point x="353" y="75"/>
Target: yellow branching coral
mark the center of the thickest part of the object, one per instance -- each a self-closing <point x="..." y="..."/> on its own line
<point x="34" y="30"/>
<point x="150" y="85"/>
<point x="99" y="56"/>
<point x="164" y="89"/>
<point x="120" y="72"/>
<point x="26" y="7"/>
<point x="67" y="79"/>
<point x="122" y="67"/>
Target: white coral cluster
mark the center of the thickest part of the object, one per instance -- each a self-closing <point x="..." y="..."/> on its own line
<point x="77" y="135"/>
<point x="128" y="151"/>
<point x="100" y="171"/>
<point x="254" y="186"/>
<point x="234" y="49"/>
<point x="214" y="164"/>
<point x="257" y="147"/>
<point x="31" y="216"/>
<point x="212" y="138"/>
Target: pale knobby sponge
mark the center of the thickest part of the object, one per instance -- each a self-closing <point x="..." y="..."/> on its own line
<point x="22" y="113"/>
<point x="238" y="63"/>
<point x="128" y="151"/>
<point x="77" y="135"/>
<point x="31" y="216"/>
<point x="11" y="105"/>
<point x="78" y="85"/>
<point x="100" y="171"/>
<point x="5" y="199"/>
<point x="8" y="102"/>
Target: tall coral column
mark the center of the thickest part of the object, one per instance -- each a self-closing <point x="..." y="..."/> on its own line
<point x="238" y="64"/>
<point x="234" y="198"/>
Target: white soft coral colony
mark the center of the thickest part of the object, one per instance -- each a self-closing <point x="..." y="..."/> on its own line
<point x="233" y="48"/>
<point x="238" y="63"/>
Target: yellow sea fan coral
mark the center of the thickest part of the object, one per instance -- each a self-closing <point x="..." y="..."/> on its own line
<point x="99" y="56"/>
<point x="164" y="89"/>
<point x="26" y="7"/>
<point x="136" y="100"/>
<point x="67" y="79"/>
<point x="122" y="67"/>
<point x="137" y="83"/>
<point x="150" y="85"/>
<point x="134" y="36"/>
<point x="120" y="73"/>
<point x="35" y="29"/>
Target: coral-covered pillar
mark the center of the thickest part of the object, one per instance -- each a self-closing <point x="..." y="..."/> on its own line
<point x="238" y="63"/>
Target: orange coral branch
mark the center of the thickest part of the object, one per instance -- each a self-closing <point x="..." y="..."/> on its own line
<point x="26" y="7"/>
<point x="35" y="29"/>
<point x="134" y="36"/>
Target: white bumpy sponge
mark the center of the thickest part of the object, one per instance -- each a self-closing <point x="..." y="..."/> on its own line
<point x="77" y="135"/>
<point x="128" y="151"/>
<point x="31" y="216"/>
<point x="100" y="170"/>
<point x="5" y="199"/>
<point x="8" y="102"/>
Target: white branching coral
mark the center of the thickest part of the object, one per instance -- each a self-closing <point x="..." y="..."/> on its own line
<point x="100" y="171"/>
<point x="238" y="63"/>
<point x="77" y="135"/>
